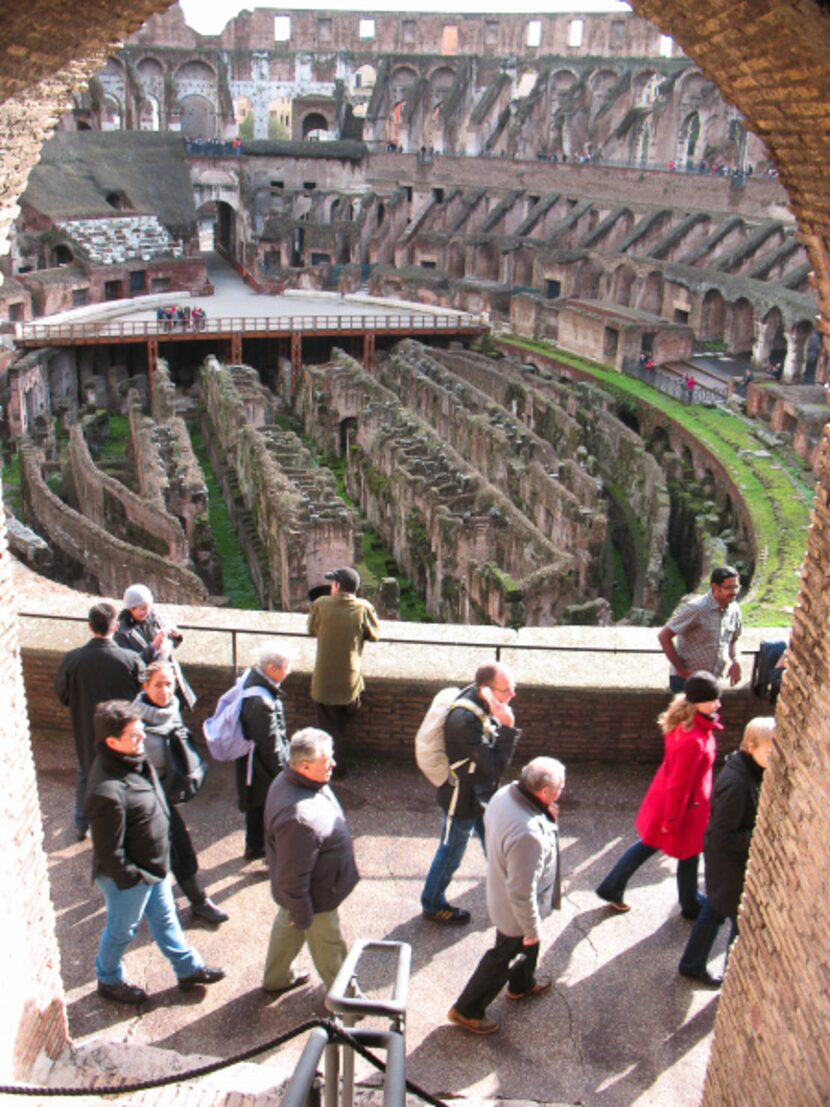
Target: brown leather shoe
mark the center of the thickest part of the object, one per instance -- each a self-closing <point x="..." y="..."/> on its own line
<point x="299" y="980"/>
<point x="475" y="1026"/>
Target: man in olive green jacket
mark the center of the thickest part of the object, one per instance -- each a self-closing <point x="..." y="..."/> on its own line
<point x="341" y="623"/>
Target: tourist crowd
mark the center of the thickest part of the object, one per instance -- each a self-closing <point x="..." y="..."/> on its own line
<point x="138" y="764"/>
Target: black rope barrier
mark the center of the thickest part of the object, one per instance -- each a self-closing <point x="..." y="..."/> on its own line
<point x="335" y="1033"/>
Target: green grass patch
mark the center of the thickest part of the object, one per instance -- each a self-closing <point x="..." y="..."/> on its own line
<point x="236" y="577"/>
<point x="12" y="491"/>
<point x="620" y="591"/>
<point x="115" y="447"/>
<point x="773" y="485"/>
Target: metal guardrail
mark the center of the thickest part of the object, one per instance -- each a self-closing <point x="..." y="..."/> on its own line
<point x="345" y="1000"/>
<point x="236" y="324"/>
<point x="497" y="647"/>
<point x="673" y="386"/>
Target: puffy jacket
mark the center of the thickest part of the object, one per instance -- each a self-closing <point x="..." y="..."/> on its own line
<point x="129" y="820"/>
<point x="308" y="847"/>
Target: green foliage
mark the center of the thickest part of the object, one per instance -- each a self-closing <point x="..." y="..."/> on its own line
<point x="12" y="492"/>
<point x="620" y="591"/>
<point x="773" y="488"/>
<point x="115" y="446"/>
<point x="239" y="588"/>
<point x="674" y="588"/>
<point x="246" y="127"/>
<point x="277" y="132"/>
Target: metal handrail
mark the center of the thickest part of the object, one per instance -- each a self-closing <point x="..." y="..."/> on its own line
<point x="236" y="324"/>
<point x="455" y="643"/>
<point x="340" y="1002"/>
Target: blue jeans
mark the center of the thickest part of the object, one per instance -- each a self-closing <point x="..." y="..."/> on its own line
<point x="447" y="858"/>
<point x="80" y="792"/>
<point x="125" y="909"/>
<point x="702" y="938"/>
<point x="613" y="887"/>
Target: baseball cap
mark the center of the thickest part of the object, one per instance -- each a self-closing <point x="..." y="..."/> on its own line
<point x="348" y="579"/>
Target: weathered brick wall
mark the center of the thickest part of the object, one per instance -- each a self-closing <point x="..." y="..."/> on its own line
<point x="622" y="722"/>
<point x="112" y="563"/>
<point x="771" y="1040"/>
<point x="96" y="491"/>
<point x="32" y="1014"/>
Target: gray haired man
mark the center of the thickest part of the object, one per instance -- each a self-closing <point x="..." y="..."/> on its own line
<point x="522" y="888"/>
<point x="310" y="861"/>
<point x="263" y="723"/>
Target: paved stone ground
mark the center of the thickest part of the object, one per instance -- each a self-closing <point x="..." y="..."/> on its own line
<point x="620" y="1027"/>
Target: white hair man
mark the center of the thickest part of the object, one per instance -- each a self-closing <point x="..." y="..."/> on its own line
<point x="522" y="888"/>
<point x="310" y="861"/>
<point x="263" y="722"/>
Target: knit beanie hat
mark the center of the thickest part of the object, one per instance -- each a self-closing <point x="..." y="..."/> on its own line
<point x="701" y="687"/>
<point x="137" y="595"/>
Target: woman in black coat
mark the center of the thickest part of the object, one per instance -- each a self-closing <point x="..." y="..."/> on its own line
<point x="726" y="846"/>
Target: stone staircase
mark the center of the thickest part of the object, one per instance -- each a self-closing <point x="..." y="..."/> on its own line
<point x="114" y="241"/>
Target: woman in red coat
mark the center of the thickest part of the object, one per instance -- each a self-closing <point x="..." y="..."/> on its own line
<point x="675" y="811"/>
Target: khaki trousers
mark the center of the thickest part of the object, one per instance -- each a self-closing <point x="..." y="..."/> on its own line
<point x="325" y="944"/>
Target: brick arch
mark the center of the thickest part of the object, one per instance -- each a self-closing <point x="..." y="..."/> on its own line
<point x="761" y="54"/>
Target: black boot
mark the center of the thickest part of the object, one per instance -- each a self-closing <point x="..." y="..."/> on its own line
<point x="200" y="906"/>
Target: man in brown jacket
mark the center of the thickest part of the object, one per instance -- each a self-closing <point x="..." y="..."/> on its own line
<point x="341" y="623"/>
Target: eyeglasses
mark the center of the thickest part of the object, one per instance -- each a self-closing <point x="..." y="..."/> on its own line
<point x="510" y="691"/>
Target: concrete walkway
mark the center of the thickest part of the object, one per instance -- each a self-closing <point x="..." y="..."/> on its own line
<point x="620" y="1028"/>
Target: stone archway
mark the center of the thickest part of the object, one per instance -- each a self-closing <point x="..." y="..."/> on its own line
<point x="761" y="1053"/>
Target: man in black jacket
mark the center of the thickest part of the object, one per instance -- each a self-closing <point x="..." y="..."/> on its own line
<point x="130" y="824"/>
<point x="263" y="722"/>
<point x="87" y="676"/>
<point x="311" y="863"/>
<point x="480" y="740"/>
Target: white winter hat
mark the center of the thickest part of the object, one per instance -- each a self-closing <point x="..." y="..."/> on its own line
<point x="137" y="595"/>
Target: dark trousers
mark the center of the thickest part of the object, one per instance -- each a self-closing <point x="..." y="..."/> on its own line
<point x="255" y="829"/>
<point x="508" y="962"/>
<point x="702" y="938"/>
<point x="183" y="859"/>
<point x="613" y="887"/>
<point x="333" y="718"/>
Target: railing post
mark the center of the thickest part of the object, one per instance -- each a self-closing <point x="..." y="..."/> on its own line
<point x="331" y="1093"/>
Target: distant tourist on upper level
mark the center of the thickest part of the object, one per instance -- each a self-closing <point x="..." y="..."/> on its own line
<point x="707" y="629"/>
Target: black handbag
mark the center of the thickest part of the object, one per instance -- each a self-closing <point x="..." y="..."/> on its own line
<point x="186" y="767"/>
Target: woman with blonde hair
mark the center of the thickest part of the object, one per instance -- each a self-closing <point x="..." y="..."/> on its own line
<point x="726" y="846"/>
<point x="674" y="813"/>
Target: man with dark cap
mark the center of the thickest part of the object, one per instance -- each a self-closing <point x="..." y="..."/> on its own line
<point x="341" y="623"/>
<point x="97" y="671"/>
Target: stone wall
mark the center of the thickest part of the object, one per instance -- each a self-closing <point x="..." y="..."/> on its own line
<point x="32" y="1015"/>
<point x="597" y="452"/>
<point x="303" y="527"/>
<point x="469" y="550"/>
<point x="106" y="561"/>
<point x="118" y="510"/>
<point x="511" y="457"/>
